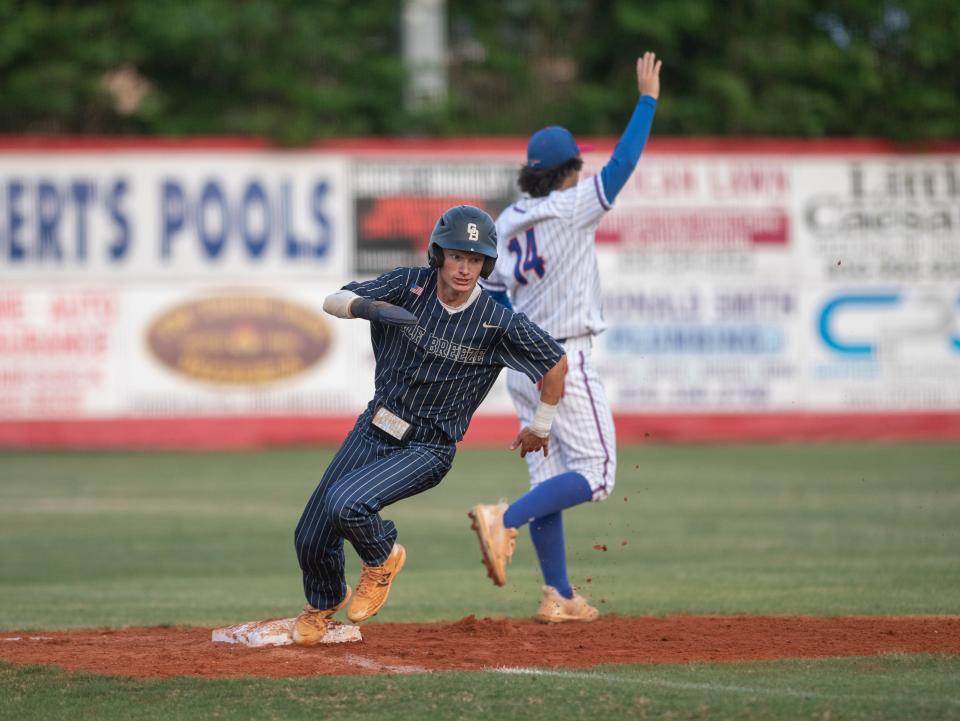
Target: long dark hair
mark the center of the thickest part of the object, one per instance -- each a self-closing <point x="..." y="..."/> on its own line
<point x="538" y="183"/>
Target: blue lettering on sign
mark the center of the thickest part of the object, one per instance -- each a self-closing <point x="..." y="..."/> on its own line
<point x="323" y="223"/>
<point x="260" y="216"/>
<point x="255" y="200"/>
<point x="173" y="211"/>
<point x="212" y="204"/>
<point x="37" y="225"/>
<point x="83" y="193"/>
<point x="842" y="302"/>
<point x="290" y="243"/>
<point x="695" y="339"/>
<point x="15" y="250"/>
<point x="858" y="301"/>
<point x="955" y="339"/>
<point x="121" y="243"/>
<point x="49" y="211"/>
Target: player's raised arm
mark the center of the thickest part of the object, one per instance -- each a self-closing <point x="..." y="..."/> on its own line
<point x="347" y="304"/>
<point x="648" y="75"/>
<point x="536" y="436"/>
<point x="627" y="153"/>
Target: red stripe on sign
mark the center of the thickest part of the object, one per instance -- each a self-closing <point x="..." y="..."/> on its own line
<point x="716" y="228"/>
<point x="493" y="431"/>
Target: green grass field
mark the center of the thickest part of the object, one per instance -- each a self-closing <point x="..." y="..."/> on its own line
<point x="91" y="540"/>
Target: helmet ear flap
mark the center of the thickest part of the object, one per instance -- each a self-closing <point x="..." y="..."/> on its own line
<point x="434" y="255"/>
<point x="488" y="265"/>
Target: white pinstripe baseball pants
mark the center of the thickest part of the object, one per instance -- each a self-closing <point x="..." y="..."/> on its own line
<point x="582" y="438"/>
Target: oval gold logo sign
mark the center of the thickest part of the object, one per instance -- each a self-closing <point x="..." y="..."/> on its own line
<point x="239" y="339"/>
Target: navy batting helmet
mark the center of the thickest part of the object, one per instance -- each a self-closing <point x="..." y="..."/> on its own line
<point x="466" y="228"/>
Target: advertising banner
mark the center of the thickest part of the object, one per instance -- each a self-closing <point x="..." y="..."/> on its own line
<point x="796" y="283"/>
<point x="741" y="287"/>
<point x="881" y="242"/>
<point x="397" y="203"/>
<point x="172" y="216"/>
<point x="82" y="352"/>
<point x="700" y="261"/>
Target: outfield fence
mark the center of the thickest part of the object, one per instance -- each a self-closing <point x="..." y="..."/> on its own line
<point x="168" y="293"/>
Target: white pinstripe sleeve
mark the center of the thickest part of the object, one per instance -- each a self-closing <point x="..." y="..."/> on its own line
<point x="581" y="206"/>
<point x="502" y="276"/>
<point x="590" y="203"/>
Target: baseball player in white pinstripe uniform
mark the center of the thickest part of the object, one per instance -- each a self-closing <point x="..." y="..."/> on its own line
<point x="547" y="263"/>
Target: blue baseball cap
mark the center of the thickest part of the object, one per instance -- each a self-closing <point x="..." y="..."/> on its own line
<point x="550" y="147"/>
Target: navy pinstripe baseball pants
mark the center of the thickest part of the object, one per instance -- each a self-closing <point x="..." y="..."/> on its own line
<point x="366" y="474"/>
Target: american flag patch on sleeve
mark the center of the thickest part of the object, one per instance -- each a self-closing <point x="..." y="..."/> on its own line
<point x="416" y="289"/>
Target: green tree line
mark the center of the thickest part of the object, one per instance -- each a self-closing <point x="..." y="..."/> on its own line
<point x="300" y="71"/>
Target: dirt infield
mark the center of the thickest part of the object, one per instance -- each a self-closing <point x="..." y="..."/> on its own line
<point x="474" y="644"/>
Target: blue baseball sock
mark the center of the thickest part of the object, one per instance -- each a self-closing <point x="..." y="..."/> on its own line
<point x="554" y="494"/>
<point x="541" y="508"/>
<point x="547" y="536"/>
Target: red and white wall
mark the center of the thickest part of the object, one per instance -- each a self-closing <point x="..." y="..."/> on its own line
<point x="168" y="293"/>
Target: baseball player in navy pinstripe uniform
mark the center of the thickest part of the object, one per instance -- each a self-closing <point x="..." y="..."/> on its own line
<point x="439" y="343"/>
<point x="547" y="261"/>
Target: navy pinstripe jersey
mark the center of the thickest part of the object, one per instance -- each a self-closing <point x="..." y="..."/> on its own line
<point x="437" y="372"/>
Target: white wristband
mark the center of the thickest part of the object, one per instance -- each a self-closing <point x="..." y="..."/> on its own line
<point x="338" y="303"/>
<point x="543" y="420"/>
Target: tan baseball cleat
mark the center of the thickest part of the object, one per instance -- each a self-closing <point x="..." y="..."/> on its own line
<point x="497" y="542"/>
<point x="312" y="622"/>
<point x="374" y="585"/>
<point x="554" y="608"/>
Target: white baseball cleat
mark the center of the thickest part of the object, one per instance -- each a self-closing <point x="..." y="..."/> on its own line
<point x="497" y="542"/>
<point x="554" y="608"/>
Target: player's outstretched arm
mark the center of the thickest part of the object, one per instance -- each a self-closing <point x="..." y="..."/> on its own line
<point x="627" y="153"/>
<point x="648" y="75"/>
<point x="536" y="436"/>
<point x="346" y="304"/>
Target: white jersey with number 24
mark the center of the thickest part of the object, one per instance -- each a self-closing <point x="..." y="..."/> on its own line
<point x="547" y="259"/>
